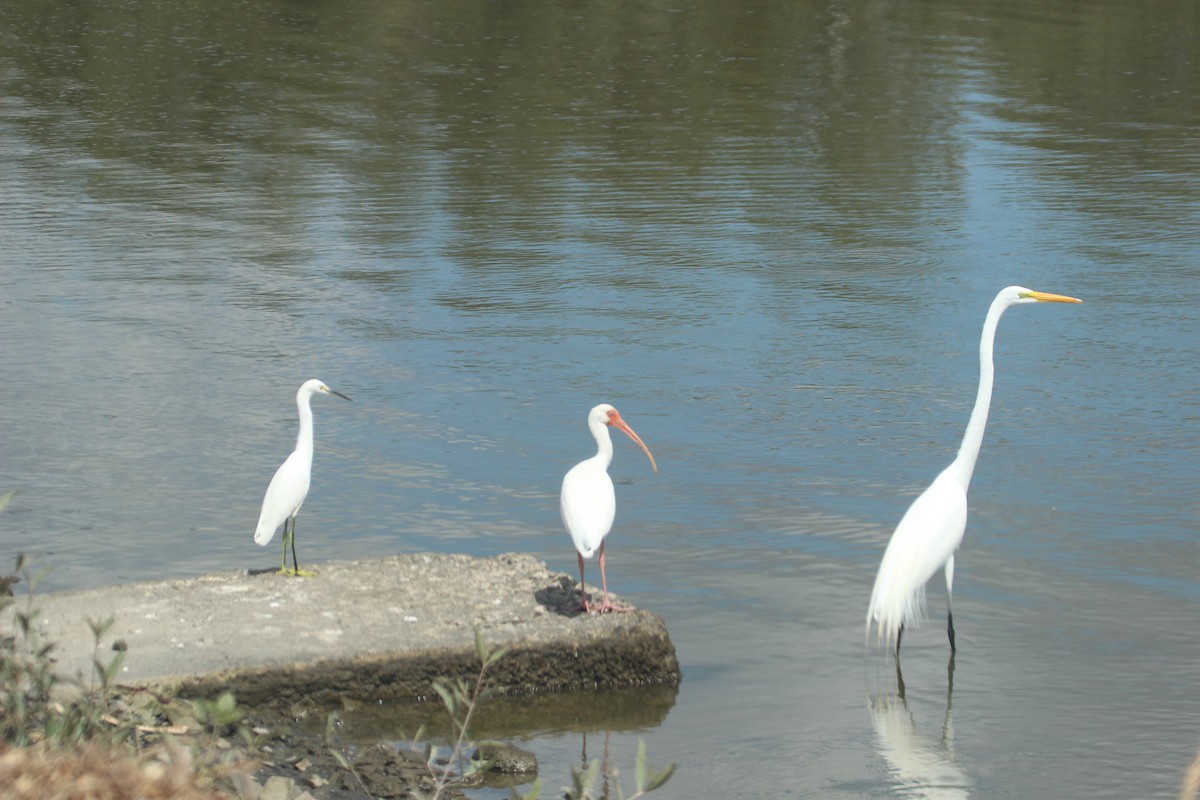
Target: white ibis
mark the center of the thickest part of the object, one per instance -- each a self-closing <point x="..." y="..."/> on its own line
<point x="289" y="487"/>
<point x="589" y="503"/>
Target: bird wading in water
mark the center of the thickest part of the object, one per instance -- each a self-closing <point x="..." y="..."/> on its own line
<point x="932" y="529"/>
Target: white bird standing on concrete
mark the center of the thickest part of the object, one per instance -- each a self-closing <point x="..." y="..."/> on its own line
<point x="289" y="487"/>
<point x="589" y="503"/>
<point x="932" y="529"/>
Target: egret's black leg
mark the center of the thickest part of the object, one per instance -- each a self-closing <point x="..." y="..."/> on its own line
<point x="899" y="636"/>
<point x="950" y="601"/>
<point x="899" y="681"/>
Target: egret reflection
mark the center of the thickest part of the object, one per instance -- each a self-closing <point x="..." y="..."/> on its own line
<point x="920" y="764"/>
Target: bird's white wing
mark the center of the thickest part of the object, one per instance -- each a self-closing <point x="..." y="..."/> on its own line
<point x="588" y="505"/>
<point x="928" y="534"/>
<point x="285" y="495"/>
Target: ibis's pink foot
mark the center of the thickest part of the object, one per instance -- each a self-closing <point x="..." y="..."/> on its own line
<point x="608" y="605"/>
<point x="584" y="605"/>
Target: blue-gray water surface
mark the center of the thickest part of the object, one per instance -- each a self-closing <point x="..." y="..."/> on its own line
<point x="766" y="231"/>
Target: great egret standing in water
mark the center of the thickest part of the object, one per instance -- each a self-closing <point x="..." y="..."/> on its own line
<point x="932" y="528"/>
<point x="289" y="487"/>
<point x="589" y="503"/>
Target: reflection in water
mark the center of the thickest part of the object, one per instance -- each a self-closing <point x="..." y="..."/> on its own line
<point x="922" y="765"/>
<point x="503" y="717"/>
<point x="733" y="216"/>
<point x="584" y="763"/>
<point x="524" y="719"/>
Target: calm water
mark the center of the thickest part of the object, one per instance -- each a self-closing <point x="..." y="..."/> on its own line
<point x="766" y="231"/>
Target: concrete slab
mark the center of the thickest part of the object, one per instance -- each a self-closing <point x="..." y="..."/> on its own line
<point x="366" y="630"/>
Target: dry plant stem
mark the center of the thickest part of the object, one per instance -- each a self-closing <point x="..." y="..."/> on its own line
<point x="462" y="734"/>
<point x="358" y="780"/>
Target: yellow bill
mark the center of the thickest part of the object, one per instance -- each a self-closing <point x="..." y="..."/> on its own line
<point x="1046" y="297"/>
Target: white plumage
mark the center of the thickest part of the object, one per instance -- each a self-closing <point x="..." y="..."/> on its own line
<point x="588" y="502"/>
<point x="288" y="488"/>
<point x="932" y="529"/>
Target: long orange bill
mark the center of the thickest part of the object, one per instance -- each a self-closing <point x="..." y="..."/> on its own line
<point x="1046" y="297"/>
<point x="617" y="422"/>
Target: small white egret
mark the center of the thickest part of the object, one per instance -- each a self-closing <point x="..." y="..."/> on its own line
<point x="289" y="487"/>
<point x="932" y="529"/>
<point x="589" y="503"/>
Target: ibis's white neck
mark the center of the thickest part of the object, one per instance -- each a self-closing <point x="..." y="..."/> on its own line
<point x="604" y="446"/>
<point x="964" y="463"/>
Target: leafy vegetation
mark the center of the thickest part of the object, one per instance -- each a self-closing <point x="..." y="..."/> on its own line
<point x="461" y="699"/>
<point x="58" y="731"/>
<point x="58" y="728"/>
<point x="39" y="705"/>
<point x="646" y="779"/>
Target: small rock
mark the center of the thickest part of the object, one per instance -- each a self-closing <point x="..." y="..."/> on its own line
<point x="246" y="787"/>
<point x="303" y="764"/>
<point x="278" y="788"/>
<point x="316" y="781"/>
<point x="506" y="758"/>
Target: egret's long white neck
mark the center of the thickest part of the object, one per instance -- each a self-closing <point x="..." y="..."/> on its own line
<point x="604" y="446"/>
<point x="304" y="439"/>
<point x="968" y="452"/>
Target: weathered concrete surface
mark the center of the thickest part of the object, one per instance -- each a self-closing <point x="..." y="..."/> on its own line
<point x="364" y="630"/>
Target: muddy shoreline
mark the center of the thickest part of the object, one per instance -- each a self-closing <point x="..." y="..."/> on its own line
<point x="358" y="635"/>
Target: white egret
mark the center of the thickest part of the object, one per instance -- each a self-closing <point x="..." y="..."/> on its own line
<point x="589" y="503"/>
<point x="289" y="487"/>
<point x="932" y="529"/>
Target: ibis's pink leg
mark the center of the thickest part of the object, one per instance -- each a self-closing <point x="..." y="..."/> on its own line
<point x="608" y="604"/>
<point x="582" y="587"/>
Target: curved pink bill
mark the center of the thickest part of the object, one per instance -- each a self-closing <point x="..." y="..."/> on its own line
<point x="616" y="421"/>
